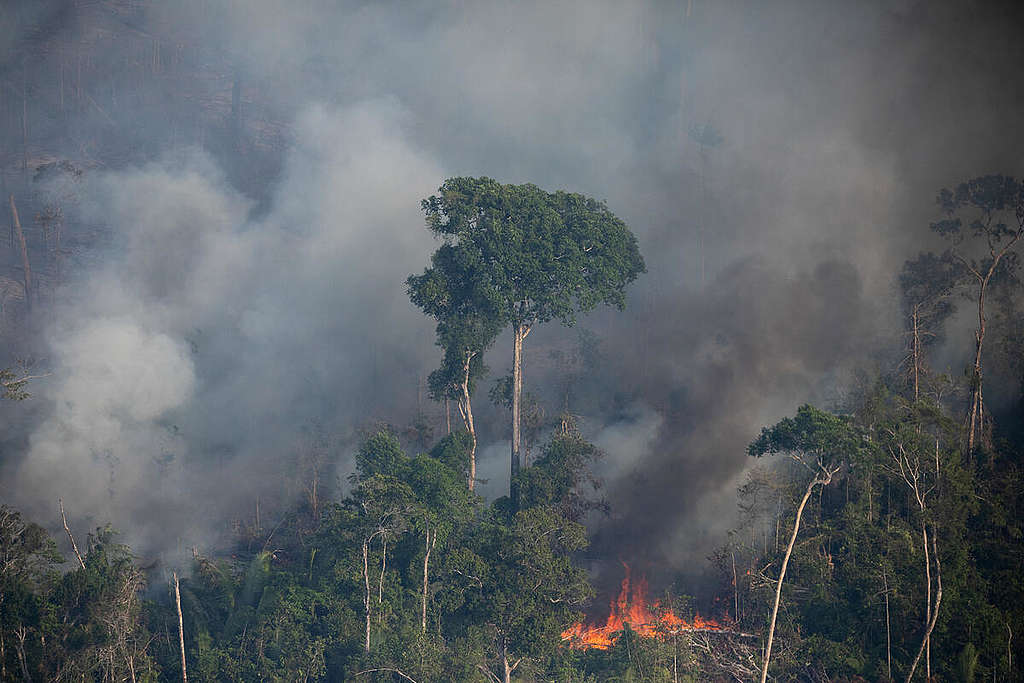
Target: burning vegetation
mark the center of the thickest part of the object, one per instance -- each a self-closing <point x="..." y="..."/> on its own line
<point x="631" y="607"/>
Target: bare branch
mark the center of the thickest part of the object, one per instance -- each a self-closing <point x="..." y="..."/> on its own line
<point x="388" y="669"/>
<point x="74" y="546"/>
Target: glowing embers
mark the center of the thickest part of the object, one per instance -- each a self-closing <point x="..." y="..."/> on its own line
<point x="648" y="620"/>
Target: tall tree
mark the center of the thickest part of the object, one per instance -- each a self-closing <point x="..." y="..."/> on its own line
<point x="977" y="209"/>
<point x="453" y="291"/>
<point x="542" y="256"/>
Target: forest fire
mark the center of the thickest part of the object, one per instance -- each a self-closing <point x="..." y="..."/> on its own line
<point x="631" y="607"/>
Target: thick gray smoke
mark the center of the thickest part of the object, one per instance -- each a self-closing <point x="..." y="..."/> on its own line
<point x="257" y="227"/>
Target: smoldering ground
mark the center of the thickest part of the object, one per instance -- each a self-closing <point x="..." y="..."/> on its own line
<point x="252" y="282"/>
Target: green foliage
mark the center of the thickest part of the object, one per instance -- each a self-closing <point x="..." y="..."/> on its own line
<point x="541" y="255"/>
<point x="560" y="478"/>
<point x="380" y="454"/>
<point x="453" y="452"/>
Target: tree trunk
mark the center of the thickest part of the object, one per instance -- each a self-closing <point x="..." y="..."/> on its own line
<point x="979" y="338"/>
<point x="935" y="612"/>
<point x="916" y="350"/>
<point x="1009" y="650"/>
<point x="888" y="631"/>
<point x="507" y="669"/>
<point x="380" y="581"/>
<point x="366" y="596"/>
<point x="430" y="540"/>
<point x="181" y="627"/>
<point x="782" y="572"/>
<point x="519" y="334"/>
<point x="735" y="591"/>
<point x="74" y="546"/>
<point x="977" y="406"/>
<point x="928" y="602"/>
<point x="467" y="414"/>
<point x="21" y="632"/>
<point x="24" y="254"/>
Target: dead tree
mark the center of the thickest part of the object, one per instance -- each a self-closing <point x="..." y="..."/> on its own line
<point x="20" y="236"/>
<point x="990" y="197"/>
<point x="823" y="477"/>
<point x="181" y="627"/>
<point x="911" y="468"/>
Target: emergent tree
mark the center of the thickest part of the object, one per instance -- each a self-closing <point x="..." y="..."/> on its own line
<point x="536" y="256"/>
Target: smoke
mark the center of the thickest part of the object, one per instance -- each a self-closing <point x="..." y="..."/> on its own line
<point x="254" y="174"/>
<point x="188" y="360"/>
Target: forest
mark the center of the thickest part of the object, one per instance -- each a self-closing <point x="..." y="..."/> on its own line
<point x="339" y="345"/>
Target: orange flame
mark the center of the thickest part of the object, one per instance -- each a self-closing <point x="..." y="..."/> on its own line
<point x="631" y="607"/>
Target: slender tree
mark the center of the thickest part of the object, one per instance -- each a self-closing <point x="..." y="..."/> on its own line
<point x="822" y="443"/>
<point x="982" y="239"/>
<point x="453" y="291"/>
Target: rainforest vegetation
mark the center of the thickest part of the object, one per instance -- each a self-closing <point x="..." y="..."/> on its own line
<point x="889" y="531"/>
<point x="285" y="398"/>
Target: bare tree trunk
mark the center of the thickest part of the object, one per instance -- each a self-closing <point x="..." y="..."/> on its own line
<point x="1009" y="650"/>
<point x="519" y="334"/>
<point x="24" y="254"/>
<point x="675" y="657"/>
<point x="979" y="338"/>
<point x="935" y="612"/>
<point x="74" y="546"/>
<point x="314" y="493"/>
<point x="888" y="631"/>
<point x="507" y="678"/>
<point x="181" y="627"/>
<point x="466" y="408"/>
<point x="366" y="596"/>
<point x="928" y="601"/>
<point x="916" y="351"/>
<point x="735" y="590"/>
<point x="21" y="632"/>
<point x="380" y="581"/>
<point x="517" y="379"/>
<point x="430" y="540"/>
<point x="822" y="480"/>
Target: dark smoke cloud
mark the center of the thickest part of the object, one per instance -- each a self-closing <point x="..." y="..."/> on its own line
<point x="249" y="281"/>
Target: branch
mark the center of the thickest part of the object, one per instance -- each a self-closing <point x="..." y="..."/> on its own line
<point x="74" y="546"/>
<point x="488" y="673"/>
<point x="967" y="265"/>
<point x="384" y="668"/>
<point x="22" y="380"/>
